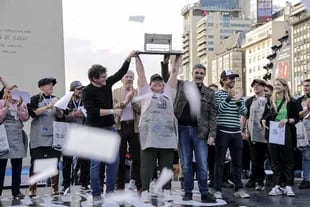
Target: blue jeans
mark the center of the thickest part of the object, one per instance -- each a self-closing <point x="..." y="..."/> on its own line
<point x="189" y="142"/>
<point x="111" y="174"/>
<point x="306" y="163"/>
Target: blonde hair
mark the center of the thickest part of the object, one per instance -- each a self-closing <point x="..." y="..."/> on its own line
<point x="7" y="90"/>
<point x="286" y="92"/>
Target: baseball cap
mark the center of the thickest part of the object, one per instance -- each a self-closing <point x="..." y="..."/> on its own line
<point x="46" y="81"/>
<point x="75" y="84"/>
<point x="228" y="73"/>
<point x="258" y="81"/>
<point x="156" y="77"/>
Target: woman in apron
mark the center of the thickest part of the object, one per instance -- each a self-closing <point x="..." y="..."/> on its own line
<point x="158" y="125"/>
<point x="12" y="115"/>
<point x="43" y="114"/>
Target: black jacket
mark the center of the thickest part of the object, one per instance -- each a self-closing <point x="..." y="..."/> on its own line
<point x="292" y="113"/>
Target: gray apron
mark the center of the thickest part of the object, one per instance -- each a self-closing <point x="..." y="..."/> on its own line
<point x="158" y="125"/>
<point x="14" y="130"/>
<point x="257" y="132"/>
<point x="41" y="131"/>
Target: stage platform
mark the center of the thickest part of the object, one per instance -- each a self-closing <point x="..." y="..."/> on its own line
<point x="258" y="198"/>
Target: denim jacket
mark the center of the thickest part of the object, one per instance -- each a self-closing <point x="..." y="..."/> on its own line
<point x="207" y="120"/>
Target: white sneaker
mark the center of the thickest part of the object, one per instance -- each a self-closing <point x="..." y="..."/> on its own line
<point x="288" y="191"/>
<point x="145" y="197"/>
<point x="276" y="190"/>
<point x="241" y="193"/>
<point x="218" y="195"/>
<point x="132" y="185"/>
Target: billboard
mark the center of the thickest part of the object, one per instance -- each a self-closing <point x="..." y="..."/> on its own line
<point x="283" y="63"/>
<point x="264" y="11"/>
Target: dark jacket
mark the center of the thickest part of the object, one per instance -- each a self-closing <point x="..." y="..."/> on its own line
<point x="207" y="120"/>
<point x="292" y="113"/>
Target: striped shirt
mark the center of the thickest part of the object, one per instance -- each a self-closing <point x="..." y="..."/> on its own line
<point x="228" y="112"/>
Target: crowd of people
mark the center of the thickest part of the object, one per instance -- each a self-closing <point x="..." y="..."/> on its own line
<point x="211" y="133"/>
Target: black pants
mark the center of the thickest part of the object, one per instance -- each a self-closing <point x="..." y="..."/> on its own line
<point x="84" y="171"/>
<point x="234" y="143"/>
<point x="16" y="174"/>
<point x="246" y="156"/>
<point x="67" y="171"/>
<point x="258" y="154"/>
<point x="44" y="153"/>
<point x="282" y="160"/>
<point x="129" y="136"/>
<point x="149" y="159"/>
<point x="211" y="163"/>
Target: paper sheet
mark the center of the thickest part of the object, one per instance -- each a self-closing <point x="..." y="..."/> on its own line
<point x="276" y="134"/>
<point x="62" y="103"/>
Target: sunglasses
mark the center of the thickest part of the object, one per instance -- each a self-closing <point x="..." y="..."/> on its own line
<point x="231" y="78"/>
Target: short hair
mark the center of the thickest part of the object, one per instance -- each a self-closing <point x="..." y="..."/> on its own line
<point x="95" y="71"/>
<point x="201" y="66"/>
<point x="213" y="85"/>
<point x="270" y="87"/>
<point x="307" y="80"/>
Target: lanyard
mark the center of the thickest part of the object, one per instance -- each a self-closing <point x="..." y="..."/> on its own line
<point x="74" y="103"/>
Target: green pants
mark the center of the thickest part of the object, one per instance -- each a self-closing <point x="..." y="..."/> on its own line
<point x="149" y="159"/>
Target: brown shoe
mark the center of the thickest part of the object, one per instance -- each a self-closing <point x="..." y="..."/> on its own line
<point x="32" y="191"/>
<point x="19" y="196"/>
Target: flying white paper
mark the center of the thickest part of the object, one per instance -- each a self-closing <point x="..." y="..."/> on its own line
<point x="122" y="197"/>
<point x="41" y="165"/>
<point x="139" y="19"/>
<point x="62" y="103"/>
<point x="16" y="94"/>
<point x="47" y="173"/>
<point x="92" y="143"/>
<point x="141" y="98"/>
<point x="193" y="97"/>
<point x="164" y="177"/>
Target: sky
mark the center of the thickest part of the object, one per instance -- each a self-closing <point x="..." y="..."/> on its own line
<point x="98" y="32"/>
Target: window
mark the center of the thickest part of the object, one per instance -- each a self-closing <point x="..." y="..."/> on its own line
<point x="210" y="24"/>
<point x="210" y="43"/>
<point x="226" y="24"/>
<point x="210" y="36"/>
<point x="210" y="49"/>
<point x="226" y="18"/>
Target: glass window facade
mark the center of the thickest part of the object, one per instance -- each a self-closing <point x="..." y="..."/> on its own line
<point x="220" y="4"/>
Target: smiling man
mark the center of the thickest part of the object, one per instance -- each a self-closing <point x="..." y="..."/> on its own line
<point x="230" y="106"/>
<point x="127" y="126"/>
<point x="97" y="99"/>
<point x="194" y="132"/>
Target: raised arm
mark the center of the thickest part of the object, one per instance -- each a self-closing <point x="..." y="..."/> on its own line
<point x="140" y="71"/>
<point x="123" y="70"/>
<point x="164" y="68"/>
<point x="173" y="81"/>
<point x="4" y="84"/>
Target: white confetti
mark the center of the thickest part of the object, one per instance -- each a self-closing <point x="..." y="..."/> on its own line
<point x="193" y="97"/>
<point x="92" y="143"/>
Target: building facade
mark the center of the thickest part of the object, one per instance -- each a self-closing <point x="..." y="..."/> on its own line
<point x="300" y="38"/>
<point x="230" y="55"/>
<point x="205" y="28"/>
